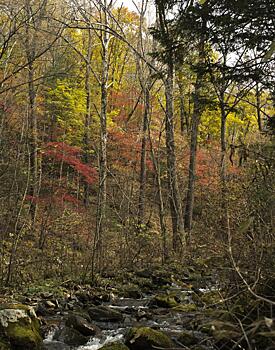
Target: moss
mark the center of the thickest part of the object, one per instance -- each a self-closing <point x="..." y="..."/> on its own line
<point x="115" y="346"/>
<point x="185" y="308"/>
<point x="19" y="326"/>
<point x="147" y="338"/>
<point x="15" y="306"/>
<point x="163" y="300"/>
<point x="26" y="336"/>
<point x="212" y="297"/>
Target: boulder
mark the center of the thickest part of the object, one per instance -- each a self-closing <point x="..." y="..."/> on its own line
<point x="19" y="327"/>
<point x="70" y="336"/>
<point x="104" y="314"/>
<point x="146" y="338"/>
<point x="81" y="325"/>
<point x="115" y="346"/>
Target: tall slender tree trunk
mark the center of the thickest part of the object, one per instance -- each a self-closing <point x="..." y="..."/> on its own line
<point x="223" y="141"/>
<point x="258" y="107"/>
<point x="175" y="200"/>
<point x="184" y="122"/>
<point x="32" y="116"/>
<point x="87" y="136"/>
<point x="188" y="217"/>
<point x="102" y="194"/>
<point x="198" y="108"/>
<point x="223" y="180"/>
<point x="161" y="209"/>
<point x="142" y="180"/>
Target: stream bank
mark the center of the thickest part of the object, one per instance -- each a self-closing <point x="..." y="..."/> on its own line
<point x="145" y="309"/>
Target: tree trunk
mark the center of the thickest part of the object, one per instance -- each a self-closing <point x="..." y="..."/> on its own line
<point x="87" y="138"/>
<point x="142" y="180"/>
<point x="198" y="108"/>
<point x="224" y="194"/>
<point x="188" y="217"/>
<point x="175" y="200"/>
<point x="258" y="104"/>
<point x="32" y="117"/>
<point x="102" y="194"/>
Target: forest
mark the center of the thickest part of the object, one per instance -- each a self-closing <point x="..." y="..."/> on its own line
<point x="137" y="174"/>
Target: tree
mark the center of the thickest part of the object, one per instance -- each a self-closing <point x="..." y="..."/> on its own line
<point x="164" y="35"/>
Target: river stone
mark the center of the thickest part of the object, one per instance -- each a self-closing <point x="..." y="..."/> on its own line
<point x="146" y="338"/>
<point x="19" y="327"/>
<point x="187" y="338"/>
<point x="132" y="291"/>
<point x="81" y="325"/>
<point x="104" y="314"/>
<point x="163" y="300"/>
<point x="115" y="346"/>
<point x="55" y="345"/>
<point x="70" y="336"/>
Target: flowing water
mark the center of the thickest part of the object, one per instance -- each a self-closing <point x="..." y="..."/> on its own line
<point x="136" y="312"/>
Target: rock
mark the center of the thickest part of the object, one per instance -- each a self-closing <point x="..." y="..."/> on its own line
<point x="55" y="345"/>
<point x="185" y="308"/>
<point x="4" y="345"/>
<point x="81" y="325"/>
<point x="19" y="327"/>
<point x="49" y="304"/>
<point x="46" y="295"/>
<point x="163" y="300"/>
<point x="115" y="346"/>
<point x="146" y="338"/>
<point x="132" y="291"/>
<point x="42" y="310"/>
<point x="187" y="338"/>
<point x="83" y="297"/>
<point x="70" y="336"/>
<point x="104" y="314"/>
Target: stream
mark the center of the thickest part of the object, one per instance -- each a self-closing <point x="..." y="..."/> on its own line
<point x="136" y="313"/>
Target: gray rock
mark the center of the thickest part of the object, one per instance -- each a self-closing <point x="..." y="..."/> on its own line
<point x="81" y="325"/>
<point x="104" y="314"/>
<point x="70" y="336"/>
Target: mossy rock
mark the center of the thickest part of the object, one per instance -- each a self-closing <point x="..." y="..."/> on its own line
<point x="4" y="345"/>
<point x="131" y="291"/>
<point x="211" y="297"/>
<point x="185" y="308"/>
<point x="20" y="327"/>
<point x="163" y="300"/>
<point x="187" y="338"/>
<point x="115" y="346"/>
<point x="146" y="338"/>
